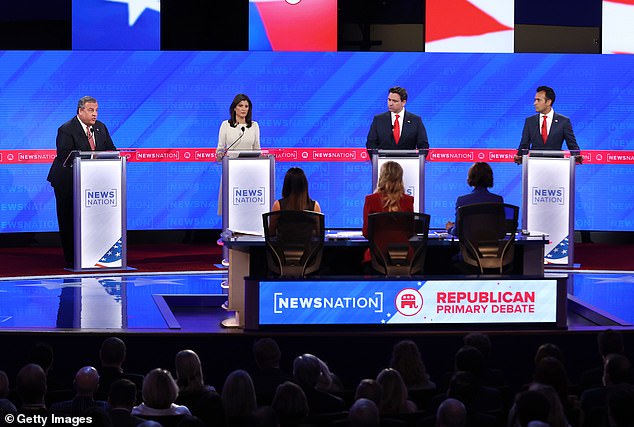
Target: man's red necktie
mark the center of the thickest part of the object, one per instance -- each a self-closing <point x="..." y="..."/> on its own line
<point x="545" y="129"/>
<point x="91" y="140"/>
<point x="397" y="130"/>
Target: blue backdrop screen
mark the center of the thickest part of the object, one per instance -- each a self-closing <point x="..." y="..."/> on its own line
<point x="178" y="99"/>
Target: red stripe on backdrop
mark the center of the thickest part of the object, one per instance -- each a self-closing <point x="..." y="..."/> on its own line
<point x="630" y="2"/>
<point x="315" y="155"/>
<point x="452" y="18"/>
<point x="309" y="25"/>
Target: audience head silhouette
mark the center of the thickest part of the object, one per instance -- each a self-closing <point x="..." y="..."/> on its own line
<point x="189" y="372"/>
<point x="267" y="353"/>
<point x="238" y="394"/>
<point x="159" y="389"/>
<point x="363" y="413"/>
<point x="451" y="413"/>
<point x="112" y="352"/>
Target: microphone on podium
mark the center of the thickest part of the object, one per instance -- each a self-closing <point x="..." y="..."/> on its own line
<point x="235" y="142"/>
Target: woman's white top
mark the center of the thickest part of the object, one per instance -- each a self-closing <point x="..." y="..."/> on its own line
<point x="239" y="138"/>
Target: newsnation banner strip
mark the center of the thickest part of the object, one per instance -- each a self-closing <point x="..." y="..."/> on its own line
<point x="599" y="157"/>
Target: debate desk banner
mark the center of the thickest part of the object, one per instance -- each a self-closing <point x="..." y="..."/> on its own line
<point x="433" y="302"/>
<point x="100" y="207"/>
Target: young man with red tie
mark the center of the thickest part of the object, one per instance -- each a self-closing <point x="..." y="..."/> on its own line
<point x="547" y="130"/>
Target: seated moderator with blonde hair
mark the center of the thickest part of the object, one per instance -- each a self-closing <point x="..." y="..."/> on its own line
<point x="389" y="195"/>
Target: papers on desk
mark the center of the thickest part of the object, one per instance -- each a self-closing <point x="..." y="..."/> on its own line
<point x="344" y="235"/>
<point x="440" y="235"/>
<point x="535" y="233"/>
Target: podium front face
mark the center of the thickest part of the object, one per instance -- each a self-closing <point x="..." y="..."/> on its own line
<point x="548" y="204"/>
<point x="413" y="175"/>
<point x="247" y="192"/>
<point x="100" y="213"/>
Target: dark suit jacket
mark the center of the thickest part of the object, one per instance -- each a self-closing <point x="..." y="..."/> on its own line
<point x="560" y="130"/>
<point x="413" y="134"/>
<point x="71" y="136"/>
<point x="478" y="195"/>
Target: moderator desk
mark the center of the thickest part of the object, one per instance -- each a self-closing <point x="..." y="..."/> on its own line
<point x="342" y="257"/>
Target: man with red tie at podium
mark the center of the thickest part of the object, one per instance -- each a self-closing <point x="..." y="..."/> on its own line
<point x="84" y="133"/>
<point x="547" y="130"/>
<point x="397" y="129"/>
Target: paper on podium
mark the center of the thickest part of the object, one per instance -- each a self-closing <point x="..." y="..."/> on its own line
<point x="347" y="234"/>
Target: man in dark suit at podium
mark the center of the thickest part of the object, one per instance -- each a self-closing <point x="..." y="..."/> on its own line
<point x="547" y="130"/>
<point x="397" y="129"/>
<point x="84" y="133"/>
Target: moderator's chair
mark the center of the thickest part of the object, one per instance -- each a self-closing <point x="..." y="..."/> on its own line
<point x="294" y="242"/>
<point x="486" y="234"/>
<point x="398" y="242"/>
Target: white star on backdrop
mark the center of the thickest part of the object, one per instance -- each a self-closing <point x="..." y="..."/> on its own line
<point x="137" y="7"/>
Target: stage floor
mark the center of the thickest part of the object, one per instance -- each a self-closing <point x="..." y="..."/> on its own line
<point x="182" y="302"/>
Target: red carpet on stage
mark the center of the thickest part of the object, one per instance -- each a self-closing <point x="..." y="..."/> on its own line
<point x="145" y="257"/>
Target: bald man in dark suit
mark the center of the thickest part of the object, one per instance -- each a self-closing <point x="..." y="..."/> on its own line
<point x="74" y="135"/>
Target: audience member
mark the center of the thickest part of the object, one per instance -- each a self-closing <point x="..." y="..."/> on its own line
<point x="6" y="406"/>
<point x="308" y="372"/>
<point x="159" y="394"/>
<point x="268" y="374"/>
<point x="465" y="387"/>
<point x="621" y="406"/>
<point x="491" y="377"/>
<point x="394" y="400"/>
<point x="609" y="341"/>
<point x="451" y="413"/>
<point x="617" y="369"/>
<point x="551" y="371"/>
<point x="201" y="399"/>
<point x="31" y="387"/>
<point x="364" y="413"/>
<point x="238" y="398"/>
<point x="85" y="384"/>
<point x="121" y="400"/>
<point x="112" y="355"/>
<point x="290" y="404"/>
<point x="548" y="350"/>
<point x="191" y="421"/>
<point x="530" y="405"/>
<point x="264" y="416"/>
<point x="369" y="389"/>
<point x="407" y="360"/>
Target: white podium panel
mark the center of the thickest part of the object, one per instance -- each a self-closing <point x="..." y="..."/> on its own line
<point x="413" y="164"/>
<point x="247" y="193"/>
<point x="100" y="212"/>
<point x="548" y="204"/>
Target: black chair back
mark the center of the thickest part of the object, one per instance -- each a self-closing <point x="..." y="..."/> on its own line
<point x="398" y="242"/>
<point x="486" y="233"/>
<point x="294" y="242"/>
